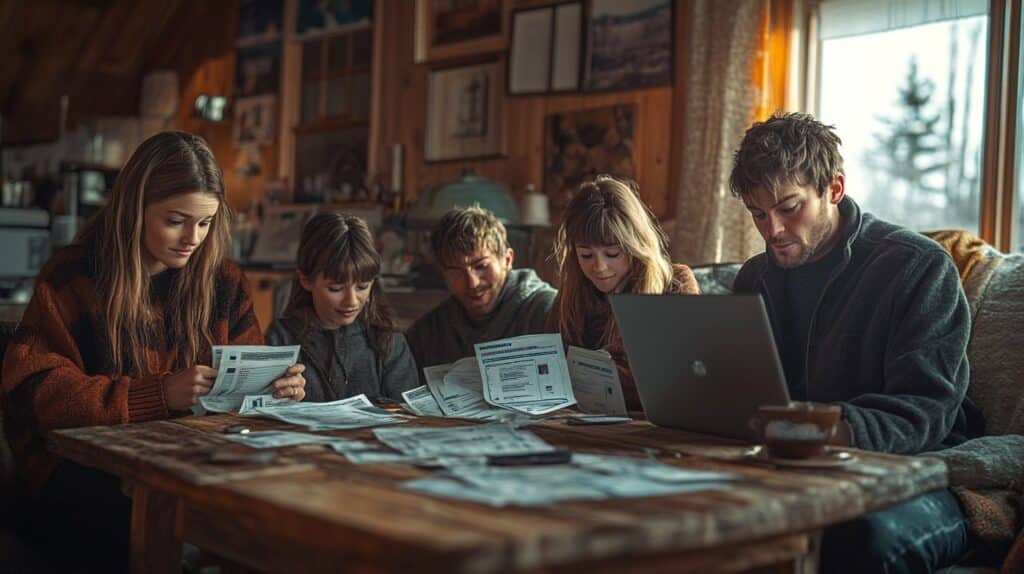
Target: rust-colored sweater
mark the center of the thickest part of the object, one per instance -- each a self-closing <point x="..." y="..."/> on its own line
<point x="56" y="373"/>
<point x="683" y="283"/>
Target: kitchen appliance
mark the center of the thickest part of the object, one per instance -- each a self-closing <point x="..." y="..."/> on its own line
<point x="25" y="236"/>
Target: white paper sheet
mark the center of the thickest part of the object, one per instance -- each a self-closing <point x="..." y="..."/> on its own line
<point x="274" y="439"/>
<point x="347" y="413"/>
<point x="458" y="389"/>
<point x="245" y="370"/>
<point x="421" y="402"/>
<point x="595" y="381"/>
<point x="477" y="440"/>
<point x="526" y="373"/>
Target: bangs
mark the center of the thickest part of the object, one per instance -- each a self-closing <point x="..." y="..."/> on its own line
<point x="349" y="263"/>
<point x="594" y="227"/>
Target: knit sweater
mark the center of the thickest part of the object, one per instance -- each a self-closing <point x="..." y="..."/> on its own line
<point x="341" y="362"/>
<point x="57" y="372"/>
<point x="447" y="334"/>
<point x="595" y="324"/>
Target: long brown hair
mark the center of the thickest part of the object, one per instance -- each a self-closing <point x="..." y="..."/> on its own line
<point x="165" y="165"/>
<point x="607" y="211"/>
<point x="341" y="248"/>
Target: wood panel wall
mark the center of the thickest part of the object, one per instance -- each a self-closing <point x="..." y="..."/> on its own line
<point x="403" y="96"/>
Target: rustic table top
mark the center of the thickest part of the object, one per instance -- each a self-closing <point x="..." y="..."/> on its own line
<point x="313" y="501"/>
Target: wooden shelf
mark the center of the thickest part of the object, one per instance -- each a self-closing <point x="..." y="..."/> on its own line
<point x="330" y="125"/>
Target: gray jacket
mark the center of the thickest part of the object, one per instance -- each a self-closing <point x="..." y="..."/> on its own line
<point x="888" y="337"/>
<point x="447" y="334"/>
<point x="346" y="358"/>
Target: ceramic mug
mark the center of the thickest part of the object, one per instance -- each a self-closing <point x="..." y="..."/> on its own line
<point x="797" y="430"/>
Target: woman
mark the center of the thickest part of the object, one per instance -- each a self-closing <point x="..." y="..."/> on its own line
<point x="338" y="314"/>
<point x="119" y="330"/>
<point x="610" y="242"/>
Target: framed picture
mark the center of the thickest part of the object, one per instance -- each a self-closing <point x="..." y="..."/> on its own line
<point x="254" y="120"/>
<point x="257" y="69"/>
<point x="319" y="17"/>
<point x="544" y="55"/>
<point x="629" y="45"/>
<point x="448" y="29"/>
<point x="581" y="144"/>
<point x="463" y="112"/>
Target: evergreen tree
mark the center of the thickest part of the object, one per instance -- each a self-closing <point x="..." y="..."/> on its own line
<point x="910" y="154"/>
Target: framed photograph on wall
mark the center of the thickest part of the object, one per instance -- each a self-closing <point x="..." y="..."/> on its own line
<point x="544" y="52"/>
<point x="629" y="45"/>
<point x="464" y="112"/>
<point x="254" y="120"/>
<point x="580" y="144"/>
<point x="448" y="29"/>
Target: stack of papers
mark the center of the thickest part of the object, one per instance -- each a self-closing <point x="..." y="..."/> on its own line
<point x="458" y="390"/>
<point x="275" y="439"/>
<point x="245" y="370"/>
<point x="479" y="440"/>
<point x="588" y="477"/>
<point x="351" y="413"/>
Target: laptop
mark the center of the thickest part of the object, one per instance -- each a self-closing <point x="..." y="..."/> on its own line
<point x="703" y="363"/>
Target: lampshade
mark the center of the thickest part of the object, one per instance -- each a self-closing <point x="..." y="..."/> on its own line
<point x="467" y="190"/>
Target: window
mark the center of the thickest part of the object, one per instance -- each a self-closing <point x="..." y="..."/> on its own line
<point x="904" y="83"/>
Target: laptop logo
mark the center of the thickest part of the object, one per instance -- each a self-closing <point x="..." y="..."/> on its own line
<point x="699" y="368"/>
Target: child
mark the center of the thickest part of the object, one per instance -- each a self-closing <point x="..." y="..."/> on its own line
<point x="338" y="314"/>
<point x="610" y="242"/>
<point x="119" y="330"/>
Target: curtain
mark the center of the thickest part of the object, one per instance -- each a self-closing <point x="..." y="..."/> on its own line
<point x="736" y="73"/>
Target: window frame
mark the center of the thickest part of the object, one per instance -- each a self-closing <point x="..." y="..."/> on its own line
<point x="998" y="162"/>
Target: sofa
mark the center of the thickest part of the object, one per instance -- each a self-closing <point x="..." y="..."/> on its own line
<point x="987" y="473"/>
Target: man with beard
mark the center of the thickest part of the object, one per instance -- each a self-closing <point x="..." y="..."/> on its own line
<point x="489" y="301"/>
<point x="867" y="315"/>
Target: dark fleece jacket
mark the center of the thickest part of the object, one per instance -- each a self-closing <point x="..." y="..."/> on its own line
<point x="888" y="337"/>
<point x="57" y="374"/>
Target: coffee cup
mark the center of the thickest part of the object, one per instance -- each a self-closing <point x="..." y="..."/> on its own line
<point x="798" y="429"/>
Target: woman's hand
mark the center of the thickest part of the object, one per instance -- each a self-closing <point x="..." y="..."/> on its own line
<point x="292" y="384"/>
<point x="182" y="389"/>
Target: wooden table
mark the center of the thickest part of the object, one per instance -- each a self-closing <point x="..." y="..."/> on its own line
<point x="313" y="511"/>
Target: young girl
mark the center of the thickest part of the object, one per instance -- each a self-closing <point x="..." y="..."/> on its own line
<point x="338" y="315"/>
<point x="610" y="242"/>
<point x="119" y="330"/>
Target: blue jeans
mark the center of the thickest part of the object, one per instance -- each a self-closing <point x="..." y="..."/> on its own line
<point x="921" y="535"/>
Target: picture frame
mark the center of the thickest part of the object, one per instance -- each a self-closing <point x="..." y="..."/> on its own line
<point x="580" y="144"/>
<point x="629" y="45"/>
<point x="544" y="49"/>
<point x="464" y="118"/>
<point x="453" y="29"/>
<point x="254" y="120"/>
<point x="257" y="69"/>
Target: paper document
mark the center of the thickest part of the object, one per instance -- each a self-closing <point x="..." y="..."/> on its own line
<point x="477" y="440"/>
<point x="421" y="402"/>
<point x="273" y="439"/>
<point x="459" y="393"/>
<point x="245" y="370"/>
<point x="595" y="381"/>
<point x="587" y="477"/>
<point x="350" y="413"/>
<point x="526" y="373"/>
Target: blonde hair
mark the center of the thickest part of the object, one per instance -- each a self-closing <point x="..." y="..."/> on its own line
<point x="462" y="231"/>
<point x="165" y="165"/>
<point x="607" y="211"/>
<point x="341" y="248"/>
